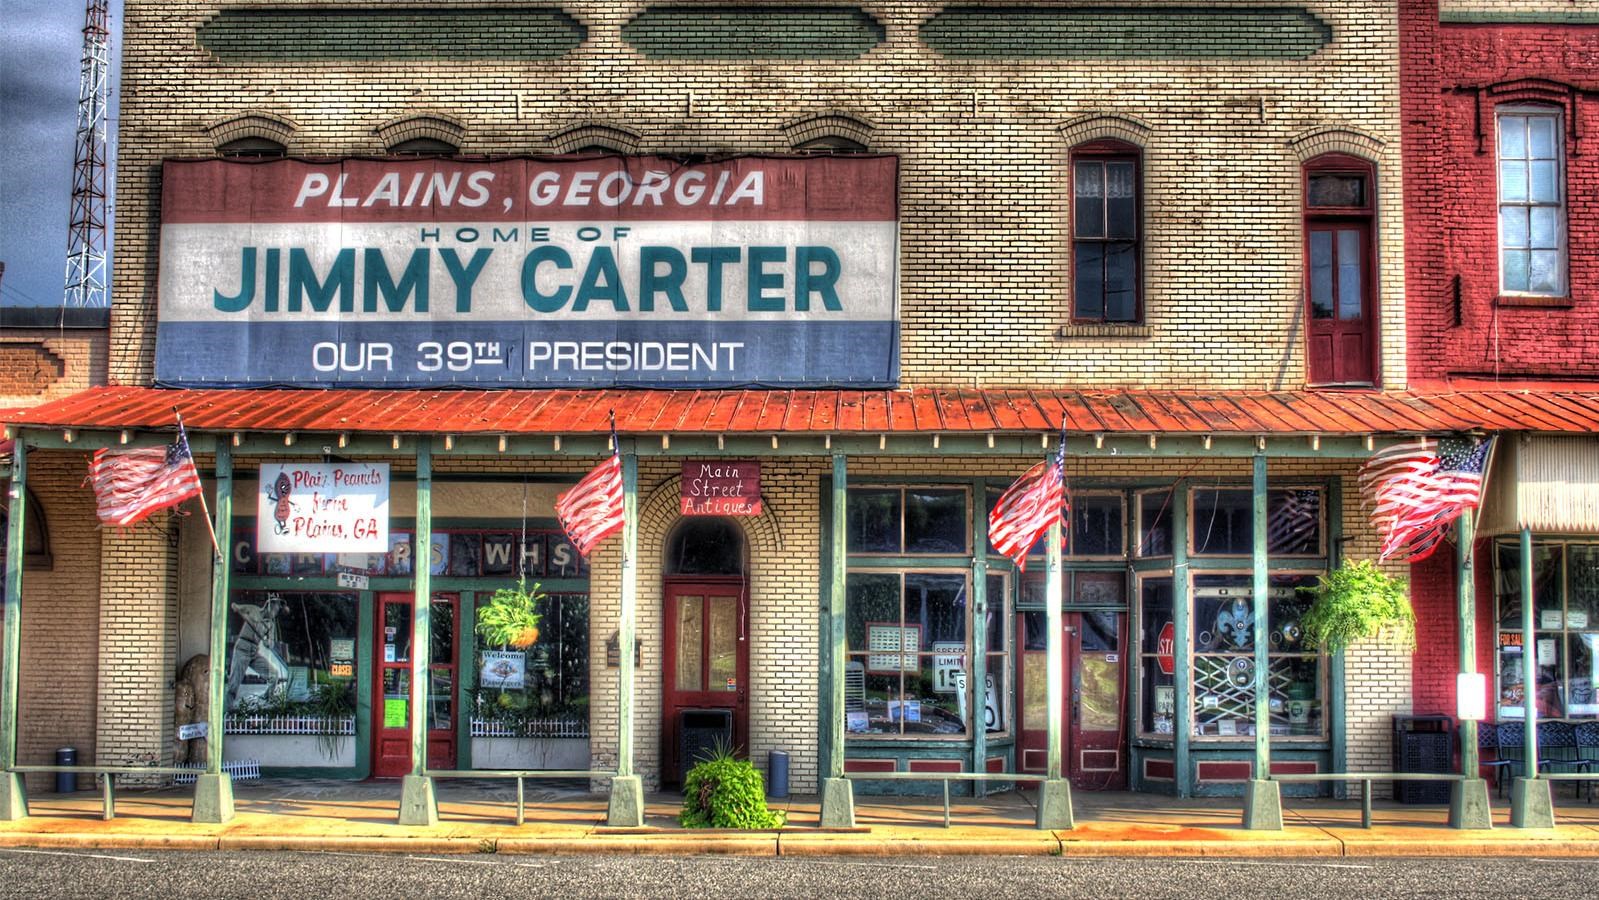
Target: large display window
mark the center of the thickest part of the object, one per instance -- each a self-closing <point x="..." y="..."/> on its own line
<point x="1223" y="638"/>
<point x="1565" y="651"/>
<point x="908" y="638"/>
<point x="291" y="655"/>
<point x="541" y="690"/>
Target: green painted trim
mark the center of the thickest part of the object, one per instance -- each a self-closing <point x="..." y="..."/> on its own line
<point x="753" y="32"/>
<point x="1262" y="610"/>
<point x="1182" y="645"/>
<point x="1107" y="32"/>
<point x="1337" y="684"/>
<point x="398" y="584"/>
<point x="1518" y="17"/>
<point x="980" y="600"/>
<point x="18" y="509"/>
<point x="1009" y="444"/>
<point x="1054" y="652"/>
<point x="221" y="565"/>
<point x="837" y="535"/>
<point x="824" y="633"/>
<point x="1529" y="641"/>
<point x="421" y="614"/>
<point x="628" y="615"/>
<point x="465" y="678"/>
<point x="371" y="34"/>
<point x="366" y="628"/>
<point x="1466" y="613"/>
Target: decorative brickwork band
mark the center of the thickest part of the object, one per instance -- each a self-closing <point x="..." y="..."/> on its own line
<point x="592" y="133"/>
<point x="1105" y="126"/>
<point x="1489" y="97"/>
<point x="835" y="124"/>
<point x="1322" y="139"/>
<point x="255" y="123"/>
<point x="430" y="125"/>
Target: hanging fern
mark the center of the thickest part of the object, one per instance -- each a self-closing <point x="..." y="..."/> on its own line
<point x="511" y="617"/>
<point x="1358" y="601"/>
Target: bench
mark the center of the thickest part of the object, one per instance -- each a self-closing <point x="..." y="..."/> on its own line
<point x="1365" y="779"/>
<point x="109" y="774"/>
<point x="945" y="777"/>
<point x="520" y="775"/>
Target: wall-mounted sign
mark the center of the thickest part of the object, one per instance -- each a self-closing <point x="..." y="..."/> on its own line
<point x="614" y="271"/>
<point x="721" y="488"/>
<point x="323" y="508"/>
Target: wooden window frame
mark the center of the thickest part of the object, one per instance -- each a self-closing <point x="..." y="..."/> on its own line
<point x="1562" y="206"/>
<point x="1104" y="151"/>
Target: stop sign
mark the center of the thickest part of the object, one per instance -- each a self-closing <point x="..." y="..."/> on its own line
<point x="1166" y="649"/>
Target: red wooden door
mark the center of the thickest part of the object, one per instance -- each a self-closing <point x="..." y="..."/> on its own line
<point x="1341" y="334"/>
<point x="1092" y="752"/>
<point x="706" y="661"/>
<point x="391" y="669"/>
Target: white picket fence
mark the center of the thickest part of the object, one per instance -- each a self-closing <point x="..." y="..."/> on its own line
<point x="240" y="769"/>
<point x="309" y="725"/>
<point x="534" y="728"/>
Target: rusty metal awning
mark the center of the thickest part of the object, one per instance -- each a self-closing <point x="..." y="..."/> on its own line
<point x="919" y="410"/>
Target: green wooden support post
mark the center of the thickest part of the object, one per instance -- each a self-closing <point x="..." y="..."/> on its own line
<point x="418" y="803"/>
<point x="1531" y="802"/>
<point x="626" y="809"/>
<point x="978" y="691"/>
<point x="1263" y="804"/>
<point x="1468" y="799"/>
<point x="213" y="791"/>
<point x="1182" y="644"/>
<point x="838" y="796"/>
<point x="13" y="798"/>
<point x="1055" y="794"/>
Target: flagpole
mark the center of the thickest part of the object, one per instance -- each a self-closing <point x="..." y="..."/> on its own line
<point x="1055" y="794"/>
<point x="183" y="435"/>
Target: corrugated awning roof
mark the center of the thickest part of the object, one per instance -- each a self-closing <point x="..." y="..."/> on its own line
<point x="927" y="410"/>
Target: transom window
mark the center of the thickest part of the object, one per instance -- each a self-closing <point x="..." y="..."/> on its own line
<point x="1105" y="233"/>
<point x="1532" y="245"/>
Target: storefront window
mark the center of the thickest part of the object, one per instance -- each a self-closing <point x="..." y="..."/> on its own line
<point x="919" y="520"/>
<point x="1098" y="527"/>
<point x="997" y="686"/>
<point x="291" y="654"/>
<point x="1566" y="624"/>
<point x="908" y="643"/>
<point x="540" y="691"/>
<point x="1224" y="658"/>
<point x="1154" y="523"/>
<point x="1156" y="658"/>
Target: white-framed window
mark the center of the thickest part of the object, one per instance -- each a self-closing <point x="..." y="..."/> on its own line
<point x="1532" y="216"/>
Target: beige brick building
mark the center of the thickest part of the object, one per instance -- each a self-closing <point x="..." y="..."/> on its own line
<point x="1199" y="143"/>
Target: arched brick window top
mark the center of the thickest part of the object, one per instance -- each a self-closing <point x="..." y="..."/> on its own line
<point x="422" y="134"/>
<point x="253" y="133"/>
<point x="1336" y="139"/>
<point x="832" y="130"/>
<point x="1095" y="127"/>
<point x="594" y="137"/>
<point x="35" y="532"/>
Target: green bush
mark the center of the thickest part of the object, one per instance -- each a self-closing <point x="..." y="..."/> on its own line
<point x="723" y="791"/>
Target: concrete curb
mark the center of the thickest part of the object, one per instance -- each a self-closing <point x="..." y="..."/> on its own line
<point x="646" y="846"/>
<point x="811" y="846"/>
<point x="370" y="844"/>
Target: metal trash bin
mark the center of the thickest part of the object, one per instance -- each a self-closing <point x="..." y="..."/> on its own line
<point x="777" y="775"/>
<point x="1423" y="744"/>
<point x="66" y="782"/>
<point x="699" y="733"/>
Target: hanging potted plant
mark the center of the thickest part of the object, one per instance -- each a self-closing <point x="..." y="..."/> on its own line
<point x="1358" y="601"/>
<point x="511" y="617"/>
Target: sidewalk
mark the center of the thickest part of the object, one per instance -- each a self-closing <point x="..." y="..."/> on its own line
<point x="477" y="817"/>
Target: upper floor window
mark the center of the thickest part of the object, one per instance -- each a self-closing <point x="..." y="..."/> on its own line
<point x="252" y="148"/>
<point x="423" y="146"/>
<point x="831" y="144"/>
<point x="1340" y="284"/>
<point x="1105" y="233"/>
<point x="1532" y="239"/>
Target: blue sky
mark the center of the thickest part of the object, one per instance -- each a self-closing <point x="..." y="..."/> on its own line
<point x="41" y="43"/>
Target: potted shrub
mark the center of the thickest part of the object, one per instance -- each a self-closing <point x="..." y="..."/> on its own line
<point x="511" y="617"/>
<point x="1358" y="601"/>
<point x="723" y="791"/>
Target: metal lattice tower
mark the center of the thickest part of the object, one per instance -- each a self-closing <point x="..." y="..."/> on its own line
<point x="86" y="227"/>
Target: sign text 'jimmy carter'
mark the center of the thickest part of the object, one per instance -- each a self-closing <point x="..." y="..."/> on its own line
<point x="630" y="271"/>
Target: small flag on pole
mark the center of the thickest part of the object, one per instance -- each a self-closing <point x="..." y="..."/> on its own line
<point x="129" y="485"/>
<point x="592" y="510"/>
<point x="1028" y="507"/>
<point x="1416" y="489"/>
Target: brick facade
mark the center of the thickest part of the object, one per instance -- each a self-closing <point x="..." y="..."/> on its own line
<point x="38" y="365"/>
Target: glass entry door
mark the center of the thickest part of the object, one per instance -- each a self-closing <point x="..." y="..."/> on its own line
<point x="706" y="671"/>
<point x="392" y="695"/>
<point x="1092" y="751"/>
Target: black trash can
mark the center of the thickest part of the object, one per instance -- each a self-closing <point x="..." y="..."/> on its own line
<point x="699" y="733"/>
<point x="777" y="775"/>
<point x="1423" y="744"/>
<point x="66" y="782"/>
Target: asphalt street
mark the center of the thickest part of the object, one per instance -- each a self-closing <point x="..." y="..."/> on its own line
<point x="338" y="876"/>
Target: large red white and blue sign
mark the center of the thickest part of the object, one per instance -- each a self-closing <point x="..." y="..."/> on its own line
<point x="570" y="272"/>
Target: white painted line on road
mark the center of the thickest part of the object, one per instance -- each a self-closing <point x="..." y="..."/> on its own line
<point x="1300" y="865"/>
<point x="82" y="855"/>
<point x="446" y="859"/>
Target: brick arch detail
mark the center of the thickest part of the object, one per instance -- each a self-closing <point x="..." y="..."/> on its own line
<point x="1323" y="139"/>
<point x="594" y="133"/>
<point x="829" y="123"/>
<point x="422" y="124"/>
<point x="1102" y="126"/>
<point x="658" y="514"/>
<point x="255" y="123"/>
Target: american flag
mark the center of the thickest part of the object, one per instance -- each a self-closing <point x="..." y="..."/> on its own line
<point x="1027" y="508"/>
<point x="129" y="485"/>
<point x="592" y="510"/>
<point x="1416" y="489"/>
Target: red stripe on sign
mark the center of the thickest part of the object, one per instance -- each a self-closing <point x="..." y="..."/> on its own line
<point x="530" y="192"/>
